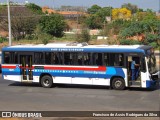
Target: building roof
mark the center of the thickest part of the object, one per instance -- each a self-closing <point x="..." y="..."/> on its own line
<point x="50" y="11"/>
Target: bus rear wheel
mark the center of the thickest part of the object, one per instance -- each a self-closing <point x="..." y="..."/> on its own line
<point x="118" y="84"/>
<point x="46" y="81"/>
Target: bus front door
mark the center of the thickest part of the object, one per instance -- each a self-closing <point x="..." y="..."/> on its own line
<point x="133" y="71"/>
<point x="26" y="67"/>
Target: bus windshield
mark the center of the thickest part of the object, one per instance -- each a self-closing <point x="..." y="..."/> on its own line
<point x="152" y="63"/>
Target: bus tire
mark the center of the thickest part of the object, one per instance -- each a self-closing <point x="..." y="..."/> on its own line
<point x="46" y="81"/>
<point x="118" y="84"/>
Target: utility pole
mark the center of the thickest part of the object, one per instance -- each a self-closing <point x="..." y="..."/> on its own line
<point x="9" y="24"/>
<point x="159" y="6"/>
<point x="53" y="4"/>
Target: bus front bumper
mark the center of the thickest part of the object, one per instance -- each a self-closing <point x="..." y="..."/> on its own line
<point x="152" y="83"/>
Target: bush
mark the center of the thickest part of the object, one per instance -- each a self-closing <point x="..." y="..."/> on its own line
<point x="2" y="39"/>
<point x="44" y="37"/>
<point x="129" y="42"/>
<point x="154" y="44"/>
<point x="151" y="38"/>
<point x="84" y="36"/>
<point x="30" y="37"/>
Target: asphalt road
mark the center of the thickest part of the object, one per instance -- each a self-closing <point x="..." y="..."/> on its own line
<point x="25" y="97"/>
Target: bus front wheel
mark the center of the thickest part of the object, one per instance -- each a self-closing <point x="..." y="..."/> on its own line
<point x="46" y="81"/>
<point x="118" y="84"/>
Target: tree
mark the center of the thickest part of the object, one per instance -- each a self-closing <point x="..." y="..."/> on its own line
<point x="53" y="25"/>
<point x="84" y="36"/>
<point x="121" y="13"/>
<point x="131" y="7"/>
<point x="147" y="29"/>
<point x="93" y="9"/>
<point x="147" y="15"/>
<point x="35" y="8"/>
<point x="23" y="21"/>
<point x="94" y="22"/>
<point x="103" y="12"/>
<point x="116" y="26"/>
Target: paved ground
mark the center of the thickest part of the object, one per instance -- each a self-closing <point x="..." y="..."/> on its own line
<point x="28" y="97"/>
<point x="17" y="96"/>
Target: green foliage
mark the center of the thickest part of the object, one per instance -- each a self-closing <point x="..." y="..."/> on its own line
<point x="94" y="22"/>
<point x="84" y="36"/>
<point x="152" y="38"/>
<point x="53" y="25"/>
<point x="138" y="27"/>
<point x="45" y="38"/>
<point x="97" y="17"/>
<point x="42" y="36"/>
<point x="133" y="29"/>
<point x="2" y="39"/>
<point x="2" y="7"/>
<point x="35" y="8"/>
<point x="103" y="12"/>
<point x="147" y="15"/>
<point x="30" y="37"/>
<point x="129" y="42"/>
<point x="153" y="44"/>
<point x="93" y="9"/>
<point x="116" y="26"/>
<point x="131" y="7"/>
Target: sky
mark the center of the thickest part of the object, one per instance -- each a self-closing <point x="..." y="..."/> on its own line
<point x="144" y="4"/>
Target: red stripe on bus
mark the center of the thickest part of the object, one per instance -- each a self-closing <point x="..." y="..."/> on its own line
<point x="26" y="67"/>
<point x="100" y="68"/>
<point x="9" y="67"/>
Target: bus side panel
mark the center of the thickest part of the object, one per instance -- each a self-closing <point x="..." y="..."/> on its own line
<point x="143" y="79"/>
<point x="86" y="76"/>
<point x="125" y="78"/>
<point x="11" y="72"/>
<point x="145" y="76"/>
<point x="66" y="80"/>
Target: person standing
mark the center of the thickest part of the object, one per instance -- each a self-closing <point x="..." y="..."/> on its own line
<point x="134" y="69"/>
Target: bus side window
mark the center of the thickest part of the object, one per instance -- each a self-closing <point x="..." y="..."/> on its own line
<point x="80" y="58"/>
<point x="53" y="58"/>
<point x="67" y="58"/>
<point x="47" y="58"/>
<point x="58" y="58"/>
<point x="38" y="58"/>
<point x="94" y="58"/>
<point x="87" y="58"/>
<point x="99" y="60"/>
<point x="118" y="60"/>
<point x="10" y="57"/>
<point x="106" y="59"/>
<point x="74" y="60"/>
<point x="6" y="59"/>
<point x="143" y="65"/>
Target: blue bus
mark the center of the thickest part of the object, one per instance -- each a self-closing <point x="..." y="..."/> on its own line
<point x="80" y="63"/>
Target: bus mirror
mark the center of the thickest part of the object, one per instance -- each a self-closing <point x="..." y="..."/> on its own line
<point x="155" y="77"/>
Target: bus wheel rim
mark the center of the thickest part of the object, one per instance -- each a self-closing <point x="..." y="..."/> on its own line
<point x="118" y="84"/>
<point x="46" y="82"/>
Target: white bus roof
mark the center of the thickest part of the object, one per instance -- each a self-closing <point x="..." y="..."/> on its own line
<point x="75" y="45"/>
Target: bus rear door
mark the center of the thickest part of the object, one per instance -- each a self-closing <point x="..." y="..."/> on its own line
<point x="26" y="67"/>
